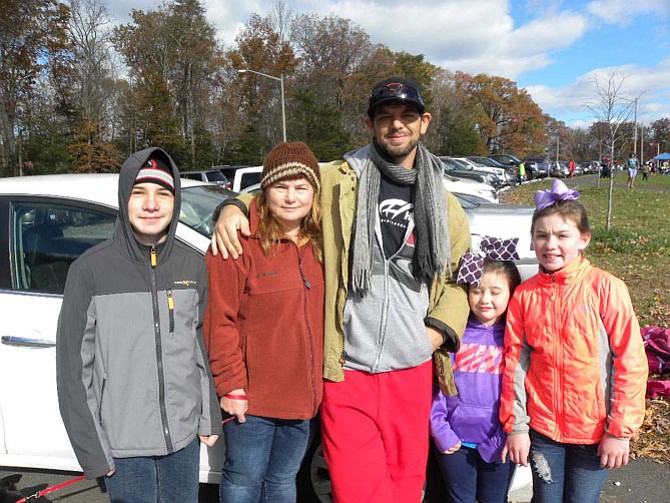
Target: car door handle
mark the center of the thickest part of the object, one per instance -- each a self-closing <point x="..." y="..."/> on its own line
<point x="28" y="342"/>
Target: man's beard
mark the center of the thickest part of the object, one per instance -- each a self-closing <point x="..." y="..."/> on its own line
<point x="394" y="154"/>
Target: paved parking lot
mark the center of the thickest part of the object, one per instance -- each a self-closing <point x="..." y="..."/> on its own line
<point x="642" y="481"/>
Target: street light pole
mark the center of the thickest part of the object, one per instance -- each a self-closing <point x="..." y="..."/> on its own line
<point x="281" y="85"/>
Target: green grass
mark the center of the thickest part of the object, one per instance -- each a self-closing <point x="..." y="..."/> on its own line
<point x="637" y="246"/>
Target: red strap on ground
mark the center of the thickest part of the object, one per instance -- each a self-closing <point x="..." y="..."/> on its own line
<point x="52" y="489"/>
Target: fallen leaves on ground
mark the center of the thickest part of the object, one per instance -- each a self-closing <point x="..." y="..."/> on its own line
<point x="654" y="437"/>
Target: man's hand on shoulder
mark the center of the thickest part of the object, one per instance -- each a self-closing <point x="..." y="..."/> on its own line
<point x="225" y="238"/>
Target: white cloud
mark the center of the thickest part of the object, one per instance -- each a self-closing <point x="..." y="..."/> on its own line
<point x="621" y="11"/>
<point x="649" y="85"/>
<point x="474" y="36"/>
<point x="477" y="36"/>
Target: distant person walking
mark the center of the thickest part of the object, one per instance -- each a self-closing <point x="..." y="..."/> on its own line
<point x="522" y="172"/>
<point x="633" y="164"/>
<point x="571" y="167"/>
<point x="605" y="168"/>
<point x="644" y="169"/>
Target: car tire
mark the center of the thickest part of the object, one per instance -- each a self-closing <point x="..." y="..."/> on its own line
<point x="313" y="479"/>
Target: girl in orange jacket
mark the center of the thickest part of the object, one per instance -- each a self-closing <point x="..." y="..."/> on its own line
<point x="575" y="368"/>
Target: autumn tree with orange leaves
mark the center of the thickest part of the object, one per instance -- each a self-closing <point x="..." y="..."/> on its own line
<point x="506" y="117"/>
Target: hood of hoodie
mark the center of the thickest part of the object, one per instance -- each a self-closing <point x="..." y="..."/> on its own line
<point x="123" y="232"/>
<point x="357" y="159"/>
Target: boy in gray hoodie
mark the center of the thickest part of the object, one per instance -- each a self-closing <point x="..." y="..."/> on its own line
<point x="134" y="386"/>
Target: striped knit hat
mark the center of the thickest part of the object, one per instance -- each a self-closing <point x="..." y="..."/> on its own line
<point x="156" y="170"/>
<point x="290" y="161"/>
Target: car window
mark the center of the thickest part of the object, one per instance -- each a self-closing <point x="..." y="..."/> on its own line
<point x="198" y="204"/>
<point x="250" y="178"/>
<point x="215" y="176"/>
<point x="47" y="238"/>
<point x="192" y="176"/>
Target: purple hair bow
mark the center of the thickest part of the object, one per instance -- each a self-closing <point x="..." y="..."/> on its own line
<point x="472" y="264"/>
<point x="559" y="192"/>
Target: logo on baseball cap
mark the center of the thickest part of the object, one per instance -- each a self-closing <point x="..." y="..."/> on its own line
<point x="395" y="90"/>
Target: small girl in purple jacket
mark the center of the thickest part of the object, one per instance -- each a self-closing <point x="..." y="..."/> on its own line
<point x="465" y="427"/>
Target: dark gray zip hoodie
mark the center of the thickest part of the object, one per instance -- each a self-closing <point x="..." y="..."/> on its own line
<point x="132" y="372"/>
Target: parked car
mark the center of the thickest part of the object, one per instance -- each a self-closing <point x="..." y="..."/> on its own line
<point x="246" y="176"/>
<point x="465" y="165"/>
<point x="470" y="187"/>
<point x="560" y="169"/>
<point x="464" y="170"/>
<point x="511" y="160"/>
<point x="207" y="175"/>
<point x="511" y="172"/>
<point x="228" y="170"/>
<point x="499" y="172"/>
<point x="539" y="166"/>
<point x="46" y="222"/>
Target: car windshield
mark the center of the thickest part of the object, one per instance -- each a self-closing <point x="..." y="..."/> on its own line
<point x="198" y="204"/>
<point x="491" y="162"/>
<point x="462" y="164"/>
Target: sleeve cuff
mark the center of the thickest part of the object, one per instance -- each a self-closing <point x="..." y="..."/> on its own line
<point x="451" y="340"/>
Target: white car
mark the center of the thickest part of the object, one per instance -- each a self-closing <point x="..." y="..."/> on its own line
<point x="48" y="221"/>
<point x="470" y="187"/>
<point x="244" y="177"/>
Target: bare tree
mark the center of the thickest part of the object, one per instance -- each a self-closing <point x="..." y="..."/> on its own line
<point x="612" y="108"/>
<point x="281" y="18"/>
<point x="91" y="48"/>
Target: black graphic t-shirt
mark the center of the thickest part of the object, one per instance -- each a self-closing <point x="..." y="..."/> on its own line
<point x="396" y="214"/>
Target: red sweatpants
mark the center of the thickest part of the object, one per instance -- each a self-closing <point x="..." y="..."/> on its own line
<point x="375" y="435"/>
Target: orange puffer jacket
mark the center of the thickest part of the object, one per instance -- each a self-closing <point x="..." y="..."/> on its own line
<point x="575" y="361"/>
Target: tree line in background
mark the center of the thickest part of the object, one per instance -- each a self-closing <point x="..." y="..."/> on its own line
<point x="67" y="104"/>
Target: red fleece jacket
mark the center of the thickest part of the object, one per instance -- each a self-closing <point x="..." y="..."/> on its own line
<point x="263" y="327"/>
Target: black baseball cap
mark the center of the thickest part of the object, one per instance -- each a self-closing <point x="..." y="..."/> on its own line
<point x="395" y="90"/>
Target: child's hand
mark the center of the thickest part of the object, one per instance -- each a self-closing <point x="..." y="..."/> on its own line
<point x="613" y="451"/>
<point x="453" y="449"/>
<point x="518" y="447"/>
<point x="208" y="440"/>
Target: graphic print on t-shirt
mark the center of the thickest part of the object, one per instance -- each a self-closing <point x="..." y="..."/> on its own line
<point x="396" y="213"/>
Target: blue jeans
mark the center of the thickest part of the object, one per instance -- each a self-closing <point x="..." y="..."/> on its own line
<point x="172" y="478"/>
<point x="263" y="456"/>
<point x="569" y="473"/>
<point x="469" y="478"/>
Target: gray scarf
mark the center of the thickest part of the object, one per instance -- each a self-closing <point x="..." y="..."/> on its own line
<point x="432" y="249"/>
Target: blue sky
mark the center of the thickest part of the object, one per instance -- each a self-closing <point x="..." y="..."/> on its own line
<point x="555" y="49"/>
